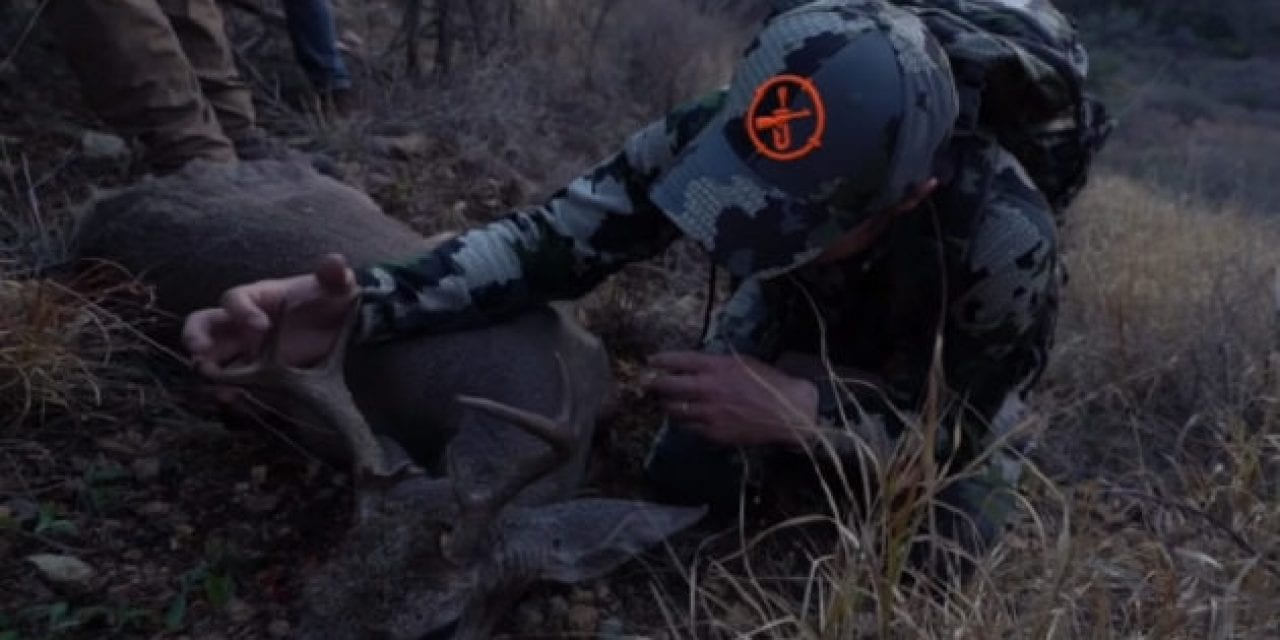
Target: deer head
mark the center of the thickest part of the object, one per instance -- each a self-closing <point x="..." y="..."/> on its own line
<point x="427" y="552"/>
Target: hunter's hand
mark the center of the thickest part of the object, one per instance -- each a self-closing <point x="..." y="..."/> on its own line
<point x="317" y="305"/>
<point x="733" y="399"/>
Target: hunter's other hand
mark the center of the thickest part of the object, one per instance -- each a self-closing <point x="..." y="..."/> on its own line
<point x="734" y="399"/>
<point x="317" y="304"/>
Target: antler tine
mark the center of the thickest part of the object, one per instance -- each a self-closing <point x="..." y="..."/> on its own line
<point x="480" y="507"/>
<point x="321" y="388"/>
<point x="334" y="363"/>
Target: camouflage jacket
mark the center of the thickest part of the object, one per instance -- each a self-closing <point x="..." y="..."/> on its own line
<point x="974" y="266"/>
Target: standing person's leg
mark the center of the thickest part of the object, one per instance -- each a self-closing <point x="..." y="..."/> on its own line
<point x="203" y="35"/>
<point x="315" y="44"/>
<point x="137" y="79"/>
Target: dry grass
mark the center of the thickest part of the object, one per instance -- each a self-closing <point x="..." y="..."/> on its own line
<point x="1152" y="510"/>
<point x="1159" y="517"/>
<point x="66" y="347"/>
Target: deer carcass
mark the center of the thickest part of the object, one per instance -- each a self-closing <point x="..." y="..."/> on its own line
<point x="478" y="438"/>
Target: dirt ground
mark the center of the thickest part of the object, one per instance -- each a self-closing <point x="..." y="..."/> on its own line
<point x="192" y="522"/>
<point x="167" y="517"/>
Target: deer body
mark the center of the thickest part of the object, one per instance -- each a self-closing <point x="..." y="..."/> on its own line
<point x="477" y="509"/>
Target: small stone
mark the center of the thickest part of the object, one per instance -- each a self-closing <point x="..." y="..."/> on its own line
<point x="558" y="606"/>
<point x="154" y="508"/>
<point x="62" y="569"/>
<point x="133" y="555"/>
<point x="401" y="147"/>
<point x="612" y="629"/>
<point x="8" y="72"/>
<point x="581" y="596"/>
<point x="145" y="469"/>
<point x="239" y="611"/>
<point x="97" y="145"/>
<point x="22" y="509"/>
<point x="258" y="474"/>
<point x="583" y="618"/>
<point x="279" y="629"/>
<point x="242" y="487"/>
<point x="261" y="503"/>
<point x="603" y="593"/>
<point x="529" y="618"/>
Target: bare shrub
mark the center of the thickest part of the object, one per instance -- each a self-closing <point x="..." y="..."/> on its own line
<point x="1167" y="319"/>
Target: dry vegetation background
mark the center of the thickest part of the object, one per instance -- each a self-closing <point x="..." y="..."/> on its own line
<point x="1152" y="508"/>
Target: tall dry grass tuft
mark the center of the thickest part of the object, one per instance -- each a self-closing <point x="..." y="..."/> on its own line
<point x="1149" y="510"/>
<point x="67" y="346"/>
<point x="71" y="340"/>
<point x="1167" y="322"/>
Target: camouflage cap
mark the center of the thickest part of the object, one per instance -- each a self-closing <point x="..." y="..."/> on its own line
<point x="834" y="113"/>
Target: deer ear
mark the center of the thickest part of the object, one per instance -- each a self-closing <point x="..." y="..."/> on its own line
<point x="584" y="539"/>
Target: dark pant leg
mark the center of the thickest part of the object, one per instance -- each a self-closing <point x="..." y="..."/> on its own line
<point x="685" y="468"/>
<point x="968" y="517"/>
<point x="137" y="78"/>
<point x="315" y="44"/>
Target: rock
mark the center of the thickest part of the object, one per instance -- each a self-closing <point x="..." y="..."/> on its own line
<point x="155" y="508"/>
<point x="400" y="147"/>
<point x="239" y="611"/>
<point x="145" y="469"/>
<point x="9" y="74"/>
<point x="583" y="618"/>
<point x="260" y="503"/>
<point x="612" y="629"/>
<point x="97" y="145"/>
<point x="279" y="629"/>
<point x="62" y="569"/>
<point x="529" y="618"/>
<point x="22" y="510"/>
<point x="558" y="606"/>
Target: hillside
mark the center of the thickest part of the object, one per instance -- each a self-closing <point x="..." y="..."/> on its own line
<point x="1151" y="508"/>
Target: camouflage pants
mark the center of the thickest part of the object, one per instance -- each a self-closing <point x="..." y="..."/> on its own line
<point x="158" y="70"/>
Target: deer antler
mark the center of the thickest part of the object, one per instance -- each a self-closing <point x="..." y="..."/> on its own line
<point x="480" y="505"/>
<point x="321" y="388"/>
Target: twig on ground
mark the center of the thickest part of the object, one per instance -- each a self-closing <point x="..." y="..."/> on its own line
<point x="1230" y="533"/>
<point x="45" y="540"/>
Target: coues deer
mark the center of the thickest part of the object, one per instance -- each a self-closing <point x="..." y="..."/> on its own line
<point x="466" y="446"/>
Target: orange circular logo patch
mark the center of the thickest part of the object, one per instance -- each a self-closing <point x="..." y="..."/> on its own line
<point x="787" y="118"/>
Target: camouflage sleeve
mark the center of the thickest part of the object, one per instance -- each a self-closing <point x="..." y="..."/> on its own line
<point x="1001" y="320"/>
<point x="1002" y="305"/>
<point x="558" y="250"/>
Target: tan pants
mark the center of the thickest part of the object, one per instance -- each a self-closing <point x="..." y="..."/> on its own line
<point x="158" y="70"/>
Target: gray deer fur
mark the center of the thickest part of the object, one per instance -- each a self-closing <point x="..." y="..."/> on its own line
<point x="403" y="570"/>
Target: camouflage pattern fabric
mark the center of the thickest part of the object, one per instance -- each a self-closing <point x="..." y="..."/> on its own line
<point x="834" y="114"/>
<point x="1020" y="70"/>
<point x="976" y="265"/>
